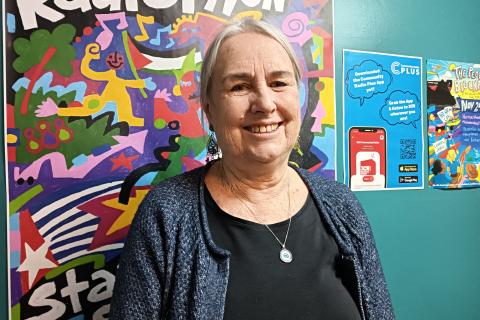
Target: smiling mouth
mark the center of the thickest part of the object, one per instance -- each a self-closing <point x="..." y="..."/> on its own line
<point x="263" y="128"/>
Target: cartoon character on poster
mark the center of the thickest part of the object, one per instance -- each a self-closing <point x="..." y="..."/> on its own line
<point x="382" y="112"/>
<point x="101" y="104"/>
<point x="453" y="97"/>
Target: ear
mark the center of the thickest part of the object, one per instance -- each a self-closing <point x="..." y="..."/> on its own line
<point x="206" y="110"/>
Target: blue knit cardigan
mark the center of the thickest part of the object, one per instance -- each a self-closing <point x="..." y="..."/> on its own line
<point x="171" y="269"/>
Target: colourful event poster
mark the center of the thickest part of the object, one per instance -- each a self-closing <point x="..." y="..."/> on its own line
<point x="453" y="99"/>
<point x="382" y="118"/>
<point x="101" y="104"/>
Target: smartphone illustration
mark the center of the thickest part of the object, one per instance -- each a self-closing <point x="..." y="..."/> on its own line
<point x="367" y="158"/>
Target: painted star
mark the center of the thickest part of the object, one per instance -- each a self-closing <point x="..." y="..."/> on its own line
<point x="114" y="221"/>
<point x="128" y="211"/>
<point x="35" y="261"/>
<point x="123" y="161"/>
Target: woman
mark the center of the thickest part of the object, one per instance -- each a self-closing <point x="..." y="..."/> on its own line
<point x="248" y="236"/>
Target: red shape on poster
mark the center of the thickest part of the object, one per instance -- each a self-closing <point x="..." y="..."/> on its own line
<point x="35" y="263"/>
<point x="139" y="60"/>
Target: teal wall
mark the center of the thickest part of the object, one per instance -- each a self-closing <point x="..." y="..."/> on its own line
<point x="428" y="239"/>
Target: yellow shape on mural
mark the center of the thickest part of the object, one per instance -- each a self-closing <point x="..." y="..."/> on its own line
<point x="128" y="211"/>
<point x="327" y="98"/>
<point x="115" y="91"/>
<point x="142" y="21"/>
<point x="11" y="138"/>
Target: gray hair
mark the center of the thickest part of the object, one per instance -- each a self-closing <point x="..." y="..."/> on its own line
<point x="239" y="27"/>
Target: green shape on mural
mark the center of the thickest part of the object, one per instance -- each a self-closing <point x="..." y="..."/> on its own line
<point x="97" y="259"/>
<point x="15" y="310"/>
<point x="32" y="51"/>
<point x="187" y="66"/>
<point x="318" y="54"/>
<point x="85" y="136"/>
<point x="187" y="147"/>
<point x="44" y="51"/>
<point x="18" y="202"/>
<point x="92" y="104"/>
<point x="88" y="137"/>
<point x="159" y="123"/>
<point x="33" y="145"/>
<point x="64" y="135"/>
<point x="128" y="55"/>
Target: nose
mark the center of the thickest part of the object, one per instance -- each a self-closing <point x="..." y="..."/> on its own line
<point x="262" y="100"/>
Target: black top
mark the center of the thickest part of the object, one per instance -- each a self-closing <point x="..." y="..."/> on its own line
<point x="261" y="286"/>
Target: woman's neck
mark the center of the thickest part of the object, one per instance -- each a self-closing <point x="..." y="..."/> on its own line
<point x="261" y="198"/>
<point x="253" y="182"/>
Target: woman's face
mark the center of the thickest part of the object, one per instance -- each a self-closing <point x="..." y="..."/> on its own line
<point x="254" y="103"/>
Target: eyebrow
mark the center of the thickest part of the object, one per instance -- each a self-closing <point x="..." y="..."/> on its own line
<point x="245" y="75"/>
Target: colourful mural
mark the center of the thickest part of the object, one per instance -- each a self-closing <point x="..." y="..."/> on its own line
<point x="101" y="104"/>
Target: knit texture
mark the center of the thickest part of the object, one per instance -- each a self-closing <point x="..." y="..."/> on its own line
<point x="171" y="269"/>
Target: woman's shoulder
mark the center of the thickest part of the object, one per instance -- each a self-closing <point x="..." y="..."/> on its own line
<point x="184" y="185"/>
<point x="171" y="200"/>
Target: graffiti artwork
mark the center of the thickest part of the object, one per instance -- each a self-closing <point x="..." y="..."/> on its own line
<point x="101" y="104"/>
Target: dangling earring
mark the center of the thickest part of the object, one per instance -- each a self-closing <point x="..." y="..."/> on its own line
<point x="213" y="151"/>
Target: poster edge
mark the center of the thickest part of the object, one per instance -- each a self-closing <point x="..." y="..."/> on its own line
<point x="344" y="145"/>
<point x="422" y="120"/>
<point x="334" y="94"/>
<point x="5" y="155"/>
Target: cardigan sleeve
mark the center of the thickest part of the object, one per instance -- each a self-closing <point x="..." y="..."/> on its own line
<point x="375" y="293"/>
<point x="140" y="277"/>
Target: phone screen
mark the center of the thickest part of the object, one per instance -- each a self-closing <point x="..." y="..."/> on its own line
<point x="367" y="155"/>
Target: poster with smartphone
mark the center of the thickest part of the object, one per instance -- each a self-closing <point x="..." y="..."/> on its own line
<point x="383" y="124"/>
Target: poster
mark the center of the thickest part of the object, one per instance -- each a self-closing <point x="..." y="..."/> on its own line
<point x="101" y="104"/>
<point x="453" y="99"/>
<point x="382" y="117"/>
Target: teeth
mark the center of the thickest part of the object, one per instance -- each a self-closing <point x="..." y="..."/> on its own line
<point x="264" y="129"/>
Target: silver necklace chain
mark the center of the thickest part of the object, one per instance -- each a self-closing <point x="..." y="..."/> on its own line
<point x="285" y="254"/>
